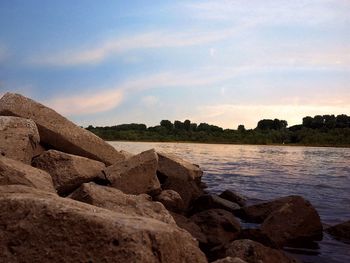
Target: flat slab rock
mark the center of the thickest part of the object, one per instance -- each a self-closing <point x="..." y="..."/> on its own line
<point x="135" y="175"/>
<point x="254" y="252"/>
<point x="68" y="171"/>
<point x="18" y="138"/>
<point x="115" y="200"/>
<point x="35" y="228"/>
<point x="58" y="132"/>
<point x="14" y="172"/>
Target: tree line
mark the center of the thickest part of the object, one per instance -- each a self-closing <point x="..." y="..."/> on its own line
<point x="320" y="130"/>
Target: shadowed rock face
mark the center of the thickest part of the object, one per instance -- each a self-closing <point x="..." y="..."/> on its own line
<point x="340" y="231"/>
<point x="136" y="175"/>
<point x="18" y="138"/>
<point x="115" y="200"/>
<point x="35" y="228"/>
<point x="13" y="172"/>
<point x="68" y="171"/>
<point x="171" y="200"/>
<point x="58" y="132"/>
<point x="254" y="252"/>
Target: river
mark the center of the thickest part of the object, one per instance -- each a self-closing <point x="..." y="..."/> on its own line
<point x="321" y="175"/>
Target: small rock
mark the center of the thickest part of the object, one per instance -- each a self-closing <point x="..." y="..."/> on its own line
<point x="254" y="252"/>
<point x="14" y="172"/>
<point x="219" y="226"/>
<point x="296" y="221"/>
<point x="136" y="175"/>
<point x="171" y="200"/>
<point x="18" y="138"/>
<point x="229" y="260"/>
<point x="58" y="132"/>
<point x="115" y="200"/>
<point x="233" y="197"/>
<point x="68" y="171"/>
<point x="340" y="231"/>
<point x="209" y="201"/>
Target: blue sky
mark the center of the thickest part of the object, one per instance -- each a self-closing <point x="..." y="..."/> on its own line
<point x="222" y="62"/>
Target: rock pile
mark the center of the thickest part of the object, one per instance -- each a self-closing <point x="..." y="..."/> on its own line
<point x="68" y="196"/>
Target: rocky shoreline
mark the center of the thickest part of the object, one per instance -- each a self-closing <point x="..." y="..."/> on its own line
<point x="68" y="196"/>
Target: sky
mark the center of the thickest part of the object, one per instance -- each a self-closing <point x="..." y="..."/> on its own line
<point x="224" y="62"/>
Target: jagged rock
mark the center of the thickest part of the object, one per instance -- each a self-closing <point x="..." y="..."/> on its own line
<point x="18" y="138"/>
<point x="136" y="175"/>
<point x="296" y="221"/>
<point x="209" y="201"/>
<point x="340" y="231"/>
<point x="68" y="171"/>
<point x="191" y="227"/>
<point x="115" y="200"/>
<point x="58" y="132"/>
<point x="254" y="252"/>
<point x="171" y="200"/>
<point x="34" y="228"/>
<point x="233" y="197"/>
<point x="219" y="226"/>
<point x="229" y="260"/>
<point x="14" y="172"/>
<point x="181" y="176"/>
<point x="259" y="212"/>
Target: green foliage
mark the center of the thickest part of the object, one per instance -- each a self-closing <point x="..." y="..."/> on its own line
<point x="326" y="130"/>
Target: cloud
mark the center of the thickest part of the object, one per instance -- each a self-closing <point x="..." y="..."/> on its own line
<point x="150" y="101"/>
<point x="97" y="53"/>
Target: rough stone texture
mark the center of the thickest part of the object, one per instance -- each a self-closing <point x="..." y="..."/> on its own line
<point x="23" y="189"/>
<point x="341" y="231"/>
<point x="208" y="201"/>
<point x="18" y="138"/>
<point x="219" y="226"/>
<point x="13" y="172"/>
<point x="191" y="227"/>
<point x="181" y="176"/>
<point x="171" y="200"/>
<point x="68" y="171"/>
<point x="58" y="132"/>
<point x="136" y="175"/>
<point x="233" y="197"/>
<point x="230" y="260"/>
<point x="254" y="252"/>
<point x="296" y="221"/>
<point x="259" y="212"/>
<point x="115" y="200"/>
<point x="37" y="229"/>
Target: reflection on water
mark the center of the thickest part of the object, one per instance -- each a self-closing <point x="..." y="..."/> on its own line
<point x="321" y="175"/>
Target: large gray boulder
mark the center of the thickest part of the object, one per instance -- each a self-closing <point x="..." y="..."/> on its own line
<point x="181" y="176"/>
<point x="18" y="138"/>
<point x="35" y="228"/>
<point x="14" y="172"/>
<point x="135" y="175"/>
<point x="115" y="200"/>
<point x="58" y="132"/>
<point x="68" y="171"/>
<point x="254" y="252"/>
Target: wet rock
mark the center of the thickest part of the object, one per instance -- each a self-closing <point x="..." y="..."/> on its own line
<point x="58" y="132"/>
<point x="254" y="252"/>
<point x="68" y="171"/>
<point x="219" y="226"/>
<point x="230" y="260"/>
<point x="14" y="172"/>
<point x="233" y="197"/>
<point x="181" y="176"/>
<point x="295" y="222"/>
<point x="37" y="229"/>
<point x="259" y="212"/>
<point x="136" y="175"/>
<point x="171" y="200"/>
<point x="115" y="200"/>
<point x="208" y="201"/>
<point x="18" y="138"/>
<point x="191" y="227"/>
<point x="257" y="235"/>
<point x="340" y="231"/>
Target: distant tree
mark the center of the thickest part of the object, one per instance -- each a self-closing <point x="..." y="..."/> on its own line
<point x="193" y="126"/>
<point x="307" y="122"/>
<point x="178" y="125"/>
<point x="342" y="121"/>
<point x="329" y="121"/>
<point x="90" y="127"/>
<point x="241" y="128"/>
<point x="317" y="122"/>
<point x="167" y="124"/>
<point x="187" y="125"/>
